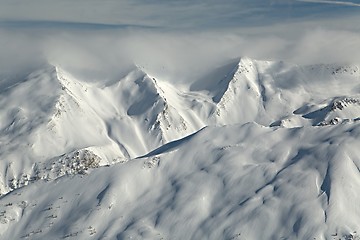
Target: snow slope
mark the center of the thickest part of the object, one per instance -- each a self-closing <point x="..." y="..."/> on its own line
<point x="254" y="150"/>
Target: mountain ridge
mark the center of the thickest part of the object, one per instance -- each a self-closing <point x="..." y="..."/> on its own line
<point x="264" y="134"/>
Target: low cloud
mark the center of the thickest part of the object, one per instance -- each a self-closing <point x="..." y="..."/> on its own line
<point x="175" y="40"/>
<point x="177" y="56"/>
<point x="326" y="46"/>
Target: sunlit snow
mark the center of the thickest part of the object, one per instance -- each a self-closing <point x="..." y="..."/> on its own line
<point x="253" y="150"/>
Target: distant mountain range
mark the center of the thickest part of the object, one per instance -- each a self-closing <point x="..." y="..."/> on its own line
<point x="254" y="150"/>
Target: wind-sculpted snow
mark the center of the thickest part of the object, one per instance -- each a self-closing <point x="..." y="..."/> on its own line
<point x="254" y="150"/>
<point x="232" y="182"/>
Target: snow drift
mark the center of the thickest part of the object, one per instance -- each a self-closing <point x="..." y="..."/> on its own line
<point x="253" y="150"/>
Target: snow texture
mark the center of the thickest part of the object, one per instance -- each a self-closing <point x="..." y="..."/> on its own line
<point x="253" y="150"/>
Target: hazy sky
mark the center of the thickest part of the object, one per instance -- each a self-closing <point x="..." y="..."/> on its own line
<point x="172" y="14"/>
<point x="175" y="37"/>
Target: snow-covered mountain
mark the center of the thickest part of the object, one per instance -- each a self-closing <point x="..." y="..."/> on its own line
<point x="253" y="150"/>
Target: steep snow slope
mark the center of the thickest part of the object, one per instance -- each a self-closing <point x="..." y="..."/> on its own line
<point x="281" y="149"/>
<point x="273" y="93"/>
<point x="231" y="182"/>
<point x="51" y="115"/>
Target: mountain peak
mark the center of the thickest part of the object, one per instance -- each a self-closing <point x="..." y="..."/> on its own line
<point x="261" y="148"/>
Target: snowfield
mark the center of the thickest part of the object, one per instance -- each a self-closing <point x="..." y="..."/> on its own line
<point x="254" y="150"/>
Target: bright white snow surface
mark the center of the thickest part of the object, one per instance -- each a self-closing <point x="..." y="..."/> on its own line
<point x="253" y="150"/>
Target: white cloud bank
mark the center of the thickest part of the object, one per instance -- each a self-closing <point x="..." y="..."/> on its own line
<point x="102" y="46"/>
<point x="171" y="54"/>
